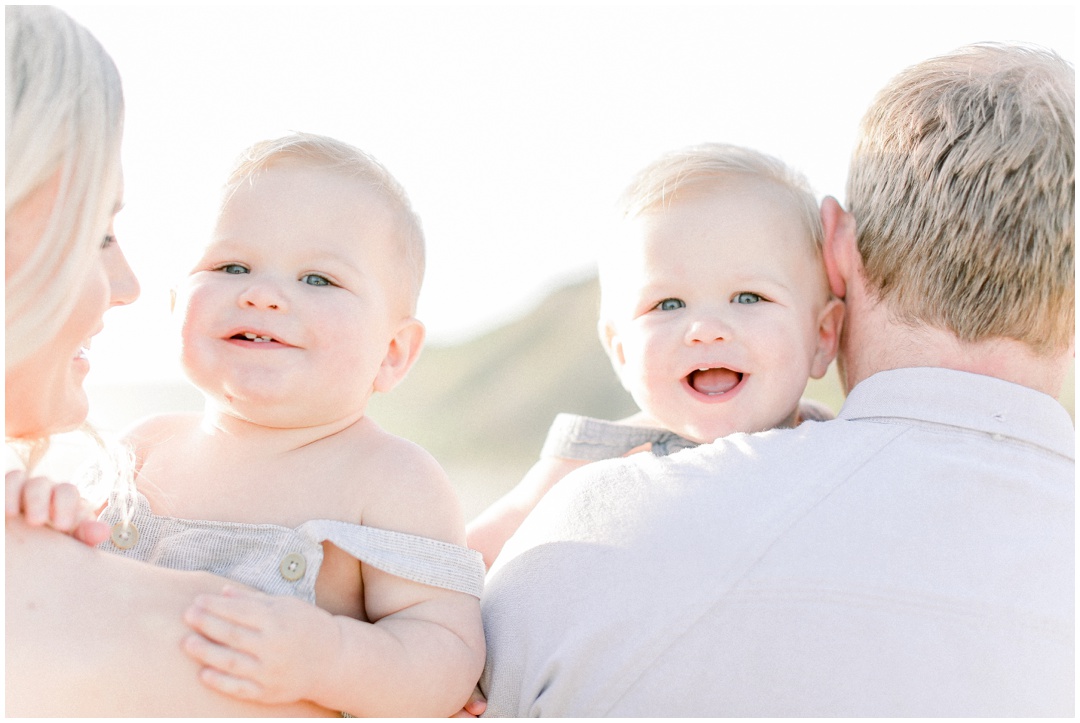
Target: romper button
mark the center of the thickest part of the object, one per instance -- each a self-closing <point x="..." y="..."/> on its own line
<point x="124" y="535"/>
<point x="293" y="566"/>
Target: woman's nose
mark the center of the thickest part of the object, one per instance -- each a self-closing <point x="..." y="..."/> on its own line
<point x="123" y="285"/>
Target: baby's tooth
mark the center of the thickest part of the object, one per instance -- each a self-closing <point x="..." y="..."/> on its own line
<point x="249" y="335"/>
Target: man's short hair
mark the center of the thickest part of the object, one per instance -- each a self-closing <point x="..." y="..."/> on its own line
<point x="961" y="186"/>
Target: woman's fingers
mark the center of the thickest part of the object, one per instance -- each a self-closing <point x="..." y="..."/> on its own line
<point x="34" y="500"/>
<point x="13" y="484"/>
<point x="41" y="501"/>
<point x="66" y="507"/>
<point x="92" y="532"/>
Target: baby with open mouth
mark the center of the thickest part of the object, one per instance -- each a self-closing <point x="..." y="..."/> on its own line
<point x="715" y="311"/>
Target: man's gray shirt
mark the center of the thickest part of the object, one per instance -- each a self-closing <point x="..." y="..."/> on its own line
<point x="913" y="557"/>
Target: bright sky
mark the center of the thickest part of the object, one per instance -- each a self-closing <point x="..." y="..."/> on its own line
<point x="513" y="128"/>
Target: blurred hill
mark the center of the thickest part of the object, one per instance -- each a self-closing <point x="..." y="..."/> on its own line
<point x="491" y="399"/>
<point x="481" y="407"/>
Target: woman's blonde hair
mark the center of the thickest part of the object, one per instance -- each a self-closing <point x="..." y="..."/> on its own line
<point x="64" y="121"/>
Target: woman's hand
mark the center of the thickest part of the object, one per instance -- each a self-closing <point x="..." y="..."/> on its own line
<point x="42" y="502"/>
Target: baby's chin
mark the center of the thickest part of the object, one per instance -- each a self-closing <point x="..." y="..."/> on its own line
<point x="706" y="432"/>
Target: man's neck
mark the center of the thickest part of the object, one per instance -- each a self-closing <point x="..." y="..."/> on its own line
<point x="876" y="343"/>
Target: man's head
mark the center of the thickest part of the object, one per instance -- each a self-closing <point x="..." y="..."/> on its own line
<point x="961" y="186"/>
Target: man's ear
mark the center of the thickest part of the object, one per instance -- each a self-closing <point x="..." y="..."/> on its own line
<point x="839" y="245"/>
<point x="401" y="354"/>
<point x="830" y="322"/>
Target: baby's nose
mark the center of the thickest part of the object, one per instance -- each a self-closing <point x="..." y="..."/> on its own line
<point x="263" y="295"/>
<point x="707" y="329"/>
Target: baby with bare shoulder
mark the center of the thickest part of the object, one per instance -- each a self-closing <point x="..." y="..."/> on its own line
<point x="302" y="307"/>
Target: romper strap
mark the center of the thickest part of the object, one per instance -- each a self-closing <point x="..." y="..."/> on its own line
<point x="421" y="559"/>
<point x="572" y="436"/>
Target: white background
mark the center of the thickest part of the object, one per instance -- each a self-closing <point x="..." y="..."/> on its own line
<point x="512" y="127"/>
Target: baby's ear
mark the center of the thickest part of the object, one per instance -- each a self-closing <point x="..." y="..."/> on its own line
<point x="830" y="322"/>
<point x="401" y="354"/>
<point x="609" y="337"/>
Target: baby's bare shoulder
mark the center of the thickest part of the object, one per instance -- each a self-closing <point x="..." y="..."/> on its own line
<point x="409" y="491"/>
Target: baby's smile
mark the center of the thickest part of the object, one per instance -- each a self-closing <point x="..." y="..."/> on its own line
<point x="251" y="336"/>
<point x="714" y="382"/>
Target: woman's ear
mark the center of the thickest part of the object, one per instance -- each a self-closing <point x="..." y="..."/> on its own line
<point x="830" y="323"/>
<point x="401" y="354"/>
<point x="838" y="246"/>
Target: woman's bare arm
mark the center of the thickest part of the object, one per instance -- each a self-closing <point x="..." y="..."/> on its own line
<point x="94" y="634"/>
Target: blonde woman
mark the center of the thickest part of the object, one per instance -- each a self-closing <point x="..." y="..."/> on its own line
<point x="79" y="622"/>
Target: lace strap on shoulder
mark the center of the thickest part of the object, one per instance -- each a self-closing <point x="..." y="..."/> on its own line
<point x="421" y="559"/>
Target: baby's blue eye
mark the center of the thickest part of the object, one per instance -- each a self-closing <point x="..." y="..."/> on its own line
<point x="315" y="280"/>
<point x="747" y="297"/>
<point x="234" y="269"/>
<point x="670" y="304"/>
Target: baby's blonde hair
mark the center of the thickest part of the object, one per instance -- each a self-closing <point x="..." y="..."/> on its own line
<point x="694" y="170"/>
<point x="327" y="153"/>
<point x="962" y="188"/>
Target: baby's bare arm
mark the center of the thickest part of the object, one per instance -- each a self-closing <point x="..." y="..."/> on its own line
<point x="423" y="660"/>
<point x="495" y="525"/>
<point x="424" y="652"/>
<point x="421" y="653"/>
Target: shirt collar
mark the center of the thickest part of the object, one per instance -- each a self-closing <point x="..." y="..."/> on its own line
<point x="962" y="399"/>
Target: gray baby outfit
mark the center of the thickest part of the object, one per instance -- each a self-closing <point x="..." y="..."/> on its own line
<point x="285" y="561"/>
<point x="572" y="436"/>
